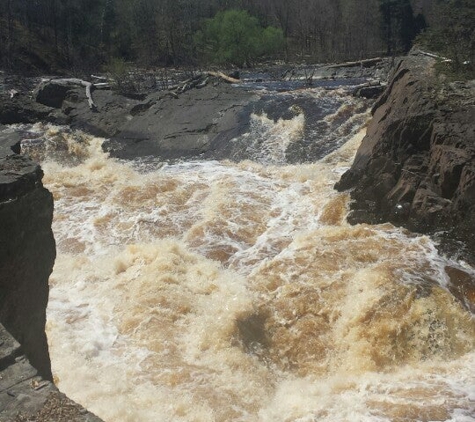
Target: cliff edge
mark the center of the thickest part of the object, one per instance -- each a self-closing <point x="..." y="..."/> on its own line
<point x="27" y="254"/>
<point x="416" y="164"/>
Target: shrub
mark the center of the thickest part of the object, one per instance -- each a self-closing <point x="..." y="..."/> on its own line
<point x="453" y="34"/>
<point x="118" y="70"/>
<point x="235" y="37"/>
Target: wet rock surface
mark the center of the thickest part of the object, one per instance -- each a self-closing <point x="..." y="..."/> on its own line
<point x="25" y="396"/>
<point x="195" y="123"/>
<point x="27" y="253"/>
<point x="416" y="165"/>
<point x="158" y="124"/>
<point x="21" y="109"/>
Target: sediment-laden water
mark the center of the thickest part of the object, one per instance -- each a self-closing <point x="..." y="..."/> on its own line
<point x="223" y="291"/>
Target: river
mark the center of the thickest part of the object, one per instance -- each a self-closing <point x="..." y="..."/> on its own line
<point x="237" y="291"/>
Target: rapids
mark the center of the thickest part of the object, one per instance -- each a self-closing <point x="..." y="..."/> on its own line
<point x="236" y="291"/>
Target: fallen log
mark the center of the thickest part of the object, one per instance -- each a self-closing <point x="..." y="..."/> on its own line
<point x="102" y="85"/>
<point x="198" y="81"/>
<point x="434" y="56"/>
<point x="57" y="97"/>
<point x="88" y="85"/>
<point x="225" y="77"/>
<point x="365" y="62"/>
<point x="101" y="78"/>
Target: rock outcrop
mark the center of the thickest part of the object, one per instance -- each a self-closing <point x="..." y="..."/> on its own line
<point x="27" y="253"/>
<point x="27" y="397"/>
<point x="416" y="165"/>
<point x="195" y="122"/>
<point x="21" y="109"/>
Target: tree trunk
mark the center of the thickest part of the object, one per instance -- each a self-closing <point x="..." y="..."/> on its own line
<point x="9" y="34"/>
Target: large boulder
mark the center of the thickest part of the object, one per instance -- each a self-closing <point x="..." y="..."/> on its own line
<point x="195" y="123"/>
<point x="51" y="94"/>
<point x="416" y="165"/>
<point x="27" y="254"/>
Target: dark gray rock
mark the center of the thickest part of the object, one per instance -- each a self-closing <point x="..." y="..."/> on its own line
<point x="21" y="109"/>
<point x="369" y="91"/>
<point x="416" y="165"/>
<point x="27" y="254"/>
<point x="195" y="123"/>
<point x="51" y="94"/>
<point x="26" y="396"/>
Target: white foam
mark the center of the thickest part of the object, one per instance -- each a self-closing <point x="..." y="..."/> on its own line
<point x="159" y="271"/>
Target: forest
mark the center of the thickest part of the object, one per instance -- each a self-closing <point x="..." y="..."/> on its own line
<point x="59" y="35"/>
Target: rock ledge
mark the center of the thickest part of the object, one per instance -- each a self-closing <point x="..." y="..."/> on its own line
<point x="416" y="165"/>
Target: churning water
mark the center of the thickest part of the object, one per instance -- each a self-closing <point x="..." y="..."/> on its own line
<point x="223" y="291"/>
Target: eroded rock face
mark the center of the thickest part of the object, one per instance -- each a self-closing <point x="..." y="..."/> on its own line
<point x="416" y="165"/>
<point x="27" y="253"/>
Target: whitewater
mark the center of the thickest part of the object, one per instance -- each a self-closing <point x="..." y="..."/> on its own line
<point x="237" y="291"/>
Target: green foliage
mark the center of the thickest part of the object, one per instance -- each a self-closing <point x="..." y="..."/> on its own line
<point x="118" y="70"/>
<point x="236" y="37"/>
<point x="452" y="35"/>
<point x="272" y="40"/>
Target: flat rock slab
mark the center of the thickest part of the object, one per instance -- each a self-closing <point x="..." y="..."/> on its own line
<point x="25" y="396"/>
<point x="183" y="127"/>
<point x="162" y="124"/>
<point x="21" y="109"/>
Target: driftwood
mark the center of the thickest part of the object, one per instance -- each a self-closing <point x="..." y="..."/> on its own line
<point x="104" y="84"/>
<point x="198" y="81"/>
<point x="434" y="56"/>
<point x="365" y="62"/>
<point x="101" y="78"/>
<point x="75" y="81"/>
<point x="225" y="77"/>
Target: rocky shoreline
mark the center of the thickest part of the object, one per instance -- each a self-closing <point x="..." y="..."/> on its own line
<point x="416" y="166"/>
<point x="27" y="254"/>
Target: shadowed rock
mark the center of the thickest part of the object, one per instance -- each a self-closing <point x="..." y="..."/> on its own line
<point x="416" y="165"/>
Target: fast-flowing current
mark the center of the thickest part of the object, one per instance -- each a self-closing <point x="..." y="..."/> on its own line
<point x="236" y="291"/>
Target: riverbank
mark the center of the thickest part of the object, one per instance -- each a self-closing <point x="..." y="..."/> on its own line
<point x="171" y="124"/>
<point x="27" y="253"/>
<point x="416" y="166"/>
<point x="155" y="124"/>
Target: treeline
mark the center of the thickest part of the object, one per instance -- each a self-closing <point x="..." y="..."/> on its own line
<point x="85" y="34"/>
